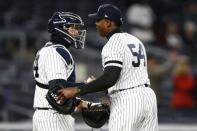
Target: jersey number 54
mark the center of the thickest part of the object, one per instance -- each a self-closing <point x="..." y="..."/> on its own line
<point x="139" y="54"/>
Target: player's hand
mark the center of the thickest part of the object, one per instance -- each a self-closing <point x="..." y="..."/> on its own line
<point x="90" y="79"/>
<point x="82" y="105"/>
<point x="67" y="93"/>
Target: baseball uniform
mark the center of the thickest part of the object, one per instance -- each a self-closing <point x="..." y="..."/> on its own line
<point x="52" y="62"/>
<point x="133" y="103"/>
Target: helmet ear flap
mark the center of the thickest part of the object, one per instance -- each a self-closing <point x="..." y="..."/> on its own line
<point x="51" y="26"/>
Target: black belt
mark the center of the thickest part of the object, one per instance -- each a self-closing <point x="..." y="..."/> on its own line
<point x="115" y="91"/>
<point x="43" y="108"/>
<point x="146" y="85"/>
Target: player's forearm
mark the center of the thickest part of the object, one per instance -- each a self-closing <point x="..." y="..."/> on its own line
<point x="64" y="83"/>
<point x="108" y="79"/>
<point x="70" y="84"/>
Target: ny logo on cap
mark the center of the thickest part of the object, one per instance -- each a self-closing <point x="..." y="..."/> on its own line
<point x="106" y="16"/>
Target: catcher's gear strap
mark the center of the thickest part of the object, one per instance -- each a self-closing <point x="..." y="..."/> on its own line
<point x="56" y="82"/>
<point x="42" y="85"/>
<point x="43" y="108"/>
<point x="108" y="79"/>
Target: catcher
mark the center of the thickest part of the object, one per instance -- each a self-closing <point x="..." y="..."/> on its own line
<point x="54" y="67"/>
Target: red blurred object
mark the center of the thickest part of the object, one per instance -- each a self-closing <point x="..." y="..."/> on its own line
<point x="182" y="96"/>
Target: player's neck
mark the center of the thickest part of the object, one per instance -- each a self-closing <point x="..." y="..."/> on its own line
<point x="58" y="40"/>
<point x="113" y="31"/>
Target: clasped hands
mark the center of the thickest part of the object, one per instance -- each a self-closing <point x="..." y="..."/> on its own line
<point x="71" y="92"/>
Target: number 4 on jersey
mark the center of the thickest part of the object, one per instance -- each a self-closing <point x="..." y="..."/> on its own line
<point x="139" y="54"/>
<point x="35" y="67"/>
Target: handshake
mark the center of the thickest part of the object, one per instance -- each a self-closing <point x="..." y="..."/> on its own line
<point x="63" y="100"/>
<point x="71" y="92"/>
<point x="60" y="96"/>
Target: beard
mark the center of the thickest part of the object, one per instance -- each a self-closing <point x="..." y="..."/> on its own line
<point x="101" y="32"/>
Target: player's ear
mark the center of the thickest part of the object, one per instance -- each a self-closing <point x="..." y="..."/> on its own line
<point x="108" y="23"/>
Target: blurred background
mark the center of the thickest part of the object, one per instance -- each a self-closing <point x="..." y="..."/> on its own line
<point x="168" y="29"/>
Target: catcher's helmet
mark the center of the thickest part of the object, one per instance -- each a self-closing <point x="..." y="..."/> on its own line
<point x="58" y="25"/>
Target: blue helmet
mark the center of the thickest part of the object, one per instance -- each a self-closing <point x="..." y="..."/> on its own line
<point x="59" y="23"/>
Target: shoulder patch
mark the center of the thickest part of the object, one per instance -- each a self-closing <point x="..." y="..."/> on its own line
<point x="64" y="55"/>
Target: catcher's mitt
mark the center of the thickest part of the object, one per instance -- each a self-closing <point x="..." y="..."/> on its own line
<point x="96" y="114"/>
<point x="67" y="107"/>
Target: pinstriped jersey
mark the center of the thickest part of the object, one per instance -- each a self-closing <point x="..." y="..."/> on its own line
<point x="127" y="52"/>
<point x="51" y="62"/>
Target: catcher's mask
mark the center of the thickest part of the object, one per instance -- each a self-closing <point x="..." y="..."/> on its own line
<point x="59" y="23"/>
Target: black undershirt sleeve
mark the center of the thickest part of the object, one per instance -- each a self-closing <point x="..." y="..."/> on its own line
<point x="64" y="83"/>
<point x="108" y="79"/>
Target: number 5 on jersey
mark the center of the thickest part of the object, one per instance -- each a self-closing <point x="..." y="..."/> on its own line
<point x="139" y="54"/>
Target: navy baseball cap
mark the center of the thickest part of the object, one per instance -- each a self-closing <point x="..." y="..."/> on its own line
<point x="107" y="11"/>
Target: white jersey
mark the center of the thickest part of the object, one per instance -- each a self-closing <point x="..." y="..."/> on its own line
<point x="128" y="52"/>
<point x="133" y="104"/>
<point x="51" y="62"/>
